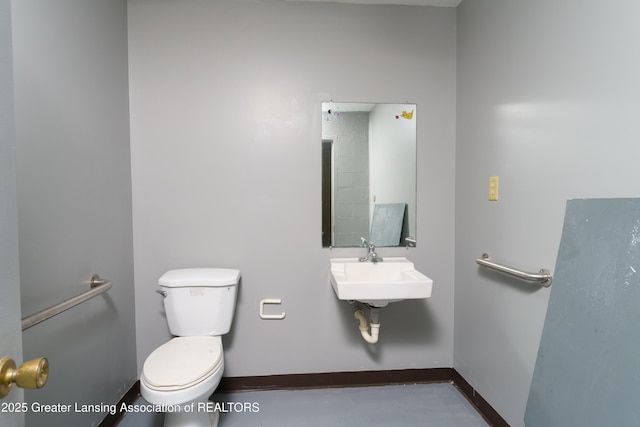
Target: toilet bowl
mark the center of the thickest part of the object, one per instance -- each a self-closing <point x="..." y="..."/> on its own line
<point x="180" y="375"/>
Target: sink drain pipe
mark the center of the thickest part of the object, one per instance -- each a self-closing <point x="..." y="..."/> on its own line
<point x="372" y="337"/>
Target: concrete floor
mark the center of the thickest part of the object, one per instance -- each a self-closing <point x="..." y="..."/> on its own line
<point x="396" y="405"/>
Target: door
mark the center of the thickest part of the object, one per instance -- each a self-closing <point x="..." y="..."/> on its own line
<point x="10" y="331"/>
<point x="327" y="193"/>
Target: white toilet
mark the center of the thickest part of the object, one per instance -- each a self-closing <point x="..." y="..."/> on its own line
<point x="181" y="374"/>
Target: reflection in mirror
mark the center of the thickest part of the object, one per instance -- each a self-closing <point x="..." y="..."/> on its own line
<point x="368" y="174"/>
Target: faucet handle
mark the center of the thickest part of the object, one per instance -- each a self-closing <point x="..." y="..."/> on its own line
<point x="364" y="242"/>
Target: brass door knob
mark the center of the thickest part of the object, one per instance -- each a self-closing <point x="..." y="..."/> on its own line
<point x="31" y="374"/>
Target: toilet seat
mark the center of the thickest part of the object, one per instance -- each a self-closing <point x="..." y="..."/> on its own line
<point x="182" y="362"/>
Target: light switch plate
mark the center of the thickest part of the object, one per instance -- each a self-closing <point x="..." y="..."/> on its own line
<point x="493" y="188"/>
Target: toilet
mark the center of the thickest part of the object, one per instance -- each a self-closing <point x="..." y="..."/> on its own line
<point x="180" y="375"/>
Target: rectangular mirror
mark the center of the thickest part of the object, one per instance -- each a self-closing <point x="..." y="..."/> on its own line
<point x="368" y="174"/>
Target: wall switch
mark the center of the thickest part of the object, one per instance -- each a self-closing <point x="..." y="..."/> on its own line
<point x="493" y="188"/>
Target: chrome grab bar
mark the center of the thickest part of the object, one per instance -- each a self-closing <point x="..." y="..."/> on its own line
<point x="98" y="286"/>
<point x="543" y="276"/>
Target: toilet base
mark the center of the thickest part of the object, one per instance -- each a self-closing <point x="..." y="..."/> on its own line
<point x="191" y="419"/>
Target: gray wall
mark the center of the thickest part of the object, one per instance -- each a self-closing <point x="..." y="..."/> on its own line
<point x="226" y="143"/>
<point x="74" y="197"/>
<point x="548" y="95"/>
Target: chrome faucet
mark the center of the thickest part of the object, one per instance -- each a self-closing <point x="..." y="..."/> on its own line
<point x="371" y="252"/>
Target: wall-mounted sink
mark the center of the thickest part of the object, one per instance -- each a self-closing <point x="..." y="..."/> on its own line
<point x="380" y="283"/>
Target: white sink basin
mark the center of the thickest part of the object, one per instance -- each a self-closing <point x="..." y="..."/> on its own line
<point x="378" y="284"/>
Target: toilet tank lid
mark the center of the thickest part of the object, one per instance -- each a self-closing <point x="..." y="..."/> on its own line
<point x="200" y="277"/>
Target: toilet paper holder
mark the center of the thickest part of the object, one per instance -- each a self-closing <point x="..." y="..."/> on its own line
<point x="271" y="316"/>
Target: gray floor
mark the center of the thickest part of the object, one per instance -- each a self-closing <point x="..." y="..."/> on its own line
<point x="403" y="405"/>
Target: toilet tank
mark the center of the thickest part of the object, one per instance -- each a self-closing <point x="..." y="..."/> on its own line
<point x="200" y="301"/>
